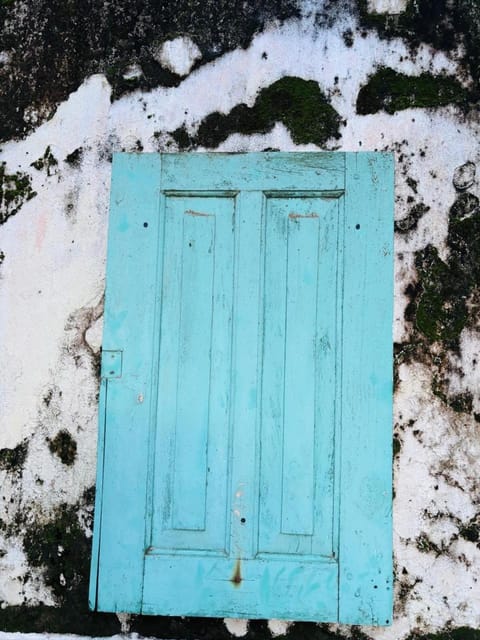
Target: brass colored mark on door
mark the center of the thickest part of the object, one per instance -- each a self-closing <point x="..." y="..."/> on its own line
<point x="236" y="579"/>
<point x="294" y="216"/>
<point x="190" y="212"/>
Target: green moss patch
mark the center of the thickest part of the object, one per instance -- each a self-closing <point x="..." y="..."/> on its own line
<point x="442" y="311"/>
<point x="15" y="190"/>
<point x="391" y="91"/>
<point x="45" y="162"/>
<point x="299" y="104"/>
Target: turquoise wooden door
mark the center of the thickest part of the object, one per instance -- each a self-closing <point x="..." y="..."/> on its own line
<point x="245" y="421"/>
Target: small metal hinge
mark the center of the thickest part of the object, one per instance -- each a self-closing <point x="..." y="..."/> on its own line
<point x="111" y="364"/>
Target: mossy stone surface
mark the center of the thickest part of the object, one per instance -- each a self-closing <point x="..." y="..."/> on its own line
<point x="54" y="45"/>
<point x="391" y="91"/>
<point x="299" y="104"/>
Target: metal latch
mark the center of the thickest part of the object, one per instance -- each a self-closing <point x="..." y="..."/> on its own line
<point x="111" y="364"/>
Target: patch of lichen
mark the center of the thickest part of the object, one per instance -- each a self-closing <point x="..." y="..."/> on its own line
<point x="60" y="548"/>
<point x="391" y="91"/>
<point x="64" y="446"/>
<point x="441" y="23"/>
<point x="15" y="190"/>
<point x="13" y="460"/>
<point x="299" y="104"/>
<point x="47" y="161"/>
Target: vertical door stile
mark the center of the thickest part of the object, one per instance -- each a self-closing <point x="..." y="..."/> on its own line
<point x="247" y="346"/>
<point x="365" y="595"/>
<point x="154" y="408"/>
<point x="97" y="524"/>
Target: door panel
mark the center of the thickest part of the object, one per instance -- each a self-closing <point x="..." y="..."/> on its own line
<point x="192" y="428"/>
<point x="240" y="379"/>
<point x="299" y="369"/>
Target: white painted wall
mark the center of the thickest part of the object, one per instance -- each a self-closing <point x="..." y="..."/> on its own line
<point x="52" y="281"/>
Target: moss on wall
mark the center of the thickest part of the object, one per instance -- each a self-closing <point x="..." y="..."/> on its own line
<point x="299" y="104"/>
<point x="442" y="309"/>
<point x="442" y="23"/>
<point x="60" y="548"/>
<point x="53" y="45"/>
<point x="15" y="190"/>
<point x="391" y="91"/>
<point x="445" y="297"/>
<point x="45" y="162"/>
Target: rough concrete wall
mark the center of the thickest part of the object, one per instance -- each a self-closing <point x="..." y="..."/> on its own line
<point x="83" y="79"/>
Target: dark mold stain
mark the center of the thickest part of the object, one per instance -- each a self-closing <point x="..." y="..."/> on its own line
<point x="425" y="545"/>
<point x="471" y="530"/>
<point x="47" y="398"/>
<point x="442" y="24"/>
<point x="47" y="161"/>
<point x="348" y="38"/>
<point x="299" y="104"/>
<point x="410" y="221"/>
<point x="63" y="446"/>
<point x="13" y="460"/>
<point x="53" y="45"/>
<point x="391" y="91"/>
<point x="2" y="257"/>
<point x="461" y="633"/>
<point x="236" y="578"/>
<point x="15" y="190"/>
<point x="397" y="445"/>
<point x="60" y="548"/>
<point x="459" y="402"/>
<point x="74" y="158"/>
<point x="177" y="628"/>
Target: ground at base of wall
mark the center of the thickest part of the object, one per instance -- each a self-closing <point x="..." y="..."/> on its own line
<point x="460" y="633"/>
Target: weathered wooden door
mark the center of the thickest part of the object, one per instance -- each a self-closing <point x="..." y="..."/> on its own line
<point x="245" y="421"/>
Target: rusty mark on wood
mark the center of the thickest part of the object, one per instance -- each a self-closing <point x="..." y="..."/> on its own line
<point x="236" y="579"/>
<point x="190" y="212"/>
<point x="294" y="216"/>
